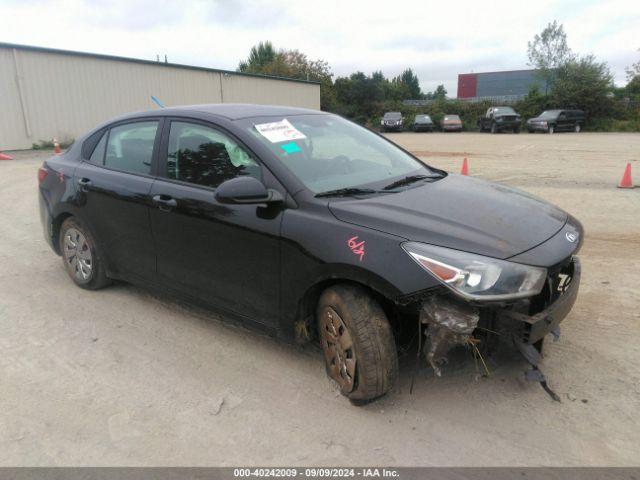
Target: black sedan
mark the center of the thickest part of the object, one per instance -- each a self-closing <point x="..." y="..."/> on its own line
<point x="305" y="225"/>
<point x="423" y="123"/>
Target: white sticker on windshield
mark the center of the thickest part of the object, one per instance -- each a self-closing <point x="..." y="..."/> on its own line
<point x="281" y="131"/>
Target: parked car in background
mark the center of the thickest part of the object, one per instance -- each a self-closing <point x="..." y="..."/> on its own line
<point x="451" y="123"/>
<point x="391" y="121"/>
<point x="552" y="121"/>
<point x="423" y="123"/>
<point x="499" y="119"/>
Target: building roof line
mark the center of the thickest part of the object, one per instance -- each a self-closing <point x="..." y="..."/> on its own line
<point x="501" y="71"/>
<point x="101" y="56"/>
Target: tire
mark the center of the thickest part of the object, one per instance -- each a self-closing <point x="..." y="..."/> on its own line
<point x="80" y="256"/>
<point x="577" y="128"/>
<point x="516" y="130"/>
<point x="552" y="129"/>
<point x="357" y="341"/>
<point x="494" y="129"/>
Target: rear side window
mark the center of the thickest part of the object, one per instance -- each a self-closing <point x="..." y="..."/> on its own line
<point x="130" y="147"/>
<point x="97" y="157"/>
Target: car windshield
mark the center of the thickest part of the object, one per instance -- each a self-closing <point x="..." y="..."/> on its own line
<point x="393" y="115"/>
<point x="504" y="111"/>
<point x="549" y="114"/>
<point x="327" y="152"/>
<point x="423" y="118"/>
<point x="451" y="118"/>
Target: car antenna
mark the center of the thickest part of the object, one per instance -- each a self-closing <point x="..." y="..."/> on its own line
<point x="157" y="102"/>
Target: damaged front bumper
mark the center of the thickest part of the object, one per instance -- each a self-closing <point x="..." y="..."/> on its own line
<point x="562" y="289"/>
<point x="524" y="323"/>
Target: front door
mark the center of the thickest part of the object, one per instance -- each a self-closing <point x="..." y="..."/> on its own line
<point x="224" y="254"/>
<point x="113" y="194"/>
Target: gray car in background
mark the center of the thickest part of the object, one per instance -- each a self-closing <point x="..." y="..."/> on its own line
<point x="423" y="123"/>
<point x="391" y="121"/>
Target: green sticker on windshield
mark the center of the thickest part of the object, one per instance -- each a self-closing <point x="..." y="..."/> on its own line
<point x="290" y="148"/>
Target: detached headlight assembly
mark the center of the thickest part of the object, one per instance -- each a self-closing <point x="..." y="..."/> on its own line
<point x="476" y="277"/>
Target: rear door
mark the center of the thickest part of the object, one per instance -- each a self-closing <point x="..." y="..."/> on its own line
<point x="221" y="253"/>
<point x="564" y="122"/>
<point x="114" y="185"/>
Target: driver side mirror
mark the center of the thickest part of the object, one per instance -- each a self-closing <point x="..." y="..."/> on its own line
<point x="246" y="190"/>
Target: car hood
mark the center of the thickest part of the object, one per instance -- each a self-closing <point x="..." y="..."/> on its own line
<point x="458" y="212"/>
<point x="537" y="119"/>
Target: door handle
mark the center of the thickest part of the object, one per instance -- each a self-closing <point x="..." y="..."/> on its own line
<point x="84" y="184"/>
<point x="165" y="202"/>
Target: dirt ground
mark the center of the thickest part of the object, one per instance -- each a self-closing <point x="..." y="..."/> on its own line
<point x="125" y="377"/>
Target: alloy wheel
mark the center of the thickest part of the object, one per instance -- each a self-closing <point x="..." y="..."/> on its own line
<point x="77" y="254"/>
<point x="338" y="349"/>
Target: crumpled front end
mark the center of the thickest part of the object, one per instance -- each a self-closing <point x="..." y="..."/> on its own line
<point x="524" y="323"/>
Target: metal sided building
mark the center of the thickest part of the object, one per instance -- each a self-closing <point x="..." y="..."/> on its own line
<point x="509" y="84"/>
<point x="47" y="93"/>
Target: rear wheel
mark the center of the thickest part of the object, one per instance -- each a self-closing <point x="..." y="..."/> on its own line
<point x="80" y="255"/>
<point x="359" y="348"/>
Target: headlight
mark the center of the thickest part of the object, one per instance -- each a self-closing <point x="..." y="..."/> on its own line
<point x="381" y="122"/>
<point x="476" y="277"/>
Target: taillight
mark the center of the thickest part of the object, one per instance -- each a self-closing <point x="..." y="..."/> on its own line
<point x="42" y="174"/>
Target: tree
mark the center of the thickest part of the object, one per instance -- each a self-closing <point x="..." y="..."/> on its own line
<point x="584" y="83"/>
<point x="633" y="78"/>
<point x="407" y="85"/>
<point x="548" y="51"/>
<point x="265" y="60"/>
<point x="259" y="56"/>
<point x="633" y="71"/>
<point x="440" y="93"/>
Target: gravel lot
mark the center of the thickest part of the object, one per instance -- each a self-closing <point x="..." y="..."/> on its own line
<point x="125" y="377"/>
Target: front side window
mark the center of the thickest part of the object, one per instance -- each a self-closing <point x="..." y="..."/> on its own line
<point x="549" y="114"/>
<point x="130" y="147"/>
<point x="205" y="156"/>
<point x="326" y="152"/>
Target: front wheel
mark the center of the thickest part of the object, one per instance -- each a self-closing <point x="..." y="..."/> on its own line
<point x="80" y="256"/>
<point x="359" y="348"/>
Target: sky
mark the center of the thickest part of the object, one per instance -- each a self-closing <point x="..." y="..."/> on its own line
<point x="437" y="39"/>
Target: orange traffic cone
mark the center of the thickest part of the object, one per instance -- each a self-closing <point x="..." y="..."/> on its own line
<point x="56" y="147"/>
<point x="465" y="167"/>
<point x="4" y="156"/>
<point x="626" y="178"/>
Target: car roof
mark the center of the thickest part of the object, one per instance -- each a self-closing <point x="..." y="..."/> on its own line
<point x="231" y="111"/>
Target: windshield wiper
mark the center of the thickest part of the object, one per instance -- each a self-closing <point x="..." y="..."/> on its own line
<point x="343" y="192"/>
<point x="408" y="180"/>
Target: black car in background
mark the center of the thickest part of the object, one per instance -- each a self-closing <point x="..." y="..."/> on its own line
<point x="552" y="121"/>
<point x="423" y="123"/>
<point x="308" y="226"/>
<point x="499" y="119"/>
<point x="391" y="122"/>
